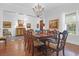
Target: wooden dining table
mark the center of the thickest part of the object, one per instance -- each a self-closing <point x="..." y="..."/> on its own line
<point x="43" y="38"/>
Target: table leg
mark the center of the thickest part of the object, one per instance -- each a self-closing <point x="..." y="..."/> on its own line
<point x="44" y="48"/>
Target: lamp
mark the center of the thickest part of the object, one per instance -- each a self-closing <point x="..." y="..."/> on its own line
<point x="38" y="10"/>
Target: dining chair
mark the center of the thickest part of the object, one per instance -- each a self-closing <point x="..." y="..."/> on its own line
<point x="54" y="37"/>
<point x="31" y="43"/>
<point x="60" y="44"/>
<point x="2" y="38"/>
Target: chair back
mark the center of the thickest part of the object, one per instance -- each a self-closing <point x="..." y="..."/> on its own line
<point x="62" y="39"/>
<point x="27" y="34"/>
<point x="29" y="41"/>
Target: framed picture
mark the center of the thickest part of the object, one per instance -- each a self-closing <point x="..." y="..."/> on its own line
<point x="28" y="25"/>
<point x="37" y="25"/>
<point x="6" y="24"/>
<point x="53" y="24"/>
<point x="20" y="23"/>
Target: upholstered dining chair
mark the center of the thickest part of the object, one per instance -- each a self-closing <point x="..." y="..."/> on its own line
<point x="2" y="38"/>
<point x="60" y="44"/>
<point x="54" y="37"/>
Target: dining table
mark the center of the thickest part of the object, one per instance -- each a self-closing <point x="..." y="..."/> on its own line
<point x="43" y="38"/>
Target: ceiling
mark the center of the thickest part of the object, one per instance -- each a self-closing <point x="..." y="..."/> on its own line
<point x="26" y="8"/>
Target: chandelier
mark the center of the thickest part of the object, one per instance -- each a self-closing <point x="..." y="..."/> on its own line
<point x="38" y="9"/>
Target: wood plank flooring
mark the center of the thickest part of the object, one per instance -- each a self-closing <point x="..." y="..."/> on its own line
<point x="15" y="47"/>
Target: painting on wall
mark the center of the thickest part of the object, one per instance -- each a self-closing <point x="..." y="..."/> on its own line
<point x="6" y="24"/>
<point x="28" y="25"/>
<point x="53" y="24"/>
<point x="20" y="23"/>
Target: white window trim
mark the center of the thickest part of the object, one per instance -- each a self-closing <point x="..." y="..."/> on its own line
<point x="77" y="20"/>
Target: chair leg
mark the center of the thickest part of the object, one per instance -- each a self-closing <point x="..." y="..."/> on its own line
<point x="5" y="43"/>
<point x="57" y="53"/>
<point x="48" y="44"/>
<point x="25" y="45"/>
<point x="63" y="53"/>
<point x="33" y="51"/>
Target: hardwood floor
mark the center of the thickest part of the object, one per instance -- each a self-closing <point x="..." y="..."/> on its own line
<point x="15" y="47"/>
<point x="72" y="50"/>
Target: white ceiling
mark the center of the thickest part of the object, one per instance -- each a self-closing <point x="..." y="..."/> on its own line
<point x="26" y="8"/>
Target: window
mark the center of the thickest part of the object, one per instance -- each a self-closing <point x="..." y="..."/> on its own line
<point x="71" y="23"/>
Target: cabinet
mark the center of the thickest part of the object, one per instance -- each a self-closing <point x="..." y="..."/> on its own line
<point x="19" y="31"/>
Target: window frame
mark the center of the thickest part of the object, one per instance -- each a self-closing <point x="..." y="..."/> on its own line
<point x="76" y="14"/>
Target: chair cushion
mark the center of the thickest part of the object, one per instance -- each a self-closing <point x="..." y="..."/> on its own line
<point x="52" y="45"/>
<point x="52" y="40"/>
<point x="2" y="37"/>
<point x="38" y="43"/>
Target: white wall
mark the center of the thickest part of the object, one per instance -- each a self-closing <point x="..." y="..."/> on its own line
<point x="1" y="19"/>
<point x="7" y="15"/>
<point x="13" y="17"/>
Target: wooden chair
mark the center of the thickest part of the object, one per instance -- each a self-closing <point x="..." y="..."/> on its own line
<point x="60" y="45"/>
<point x="54" y="37"/>
<point x="30" y="42"/>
